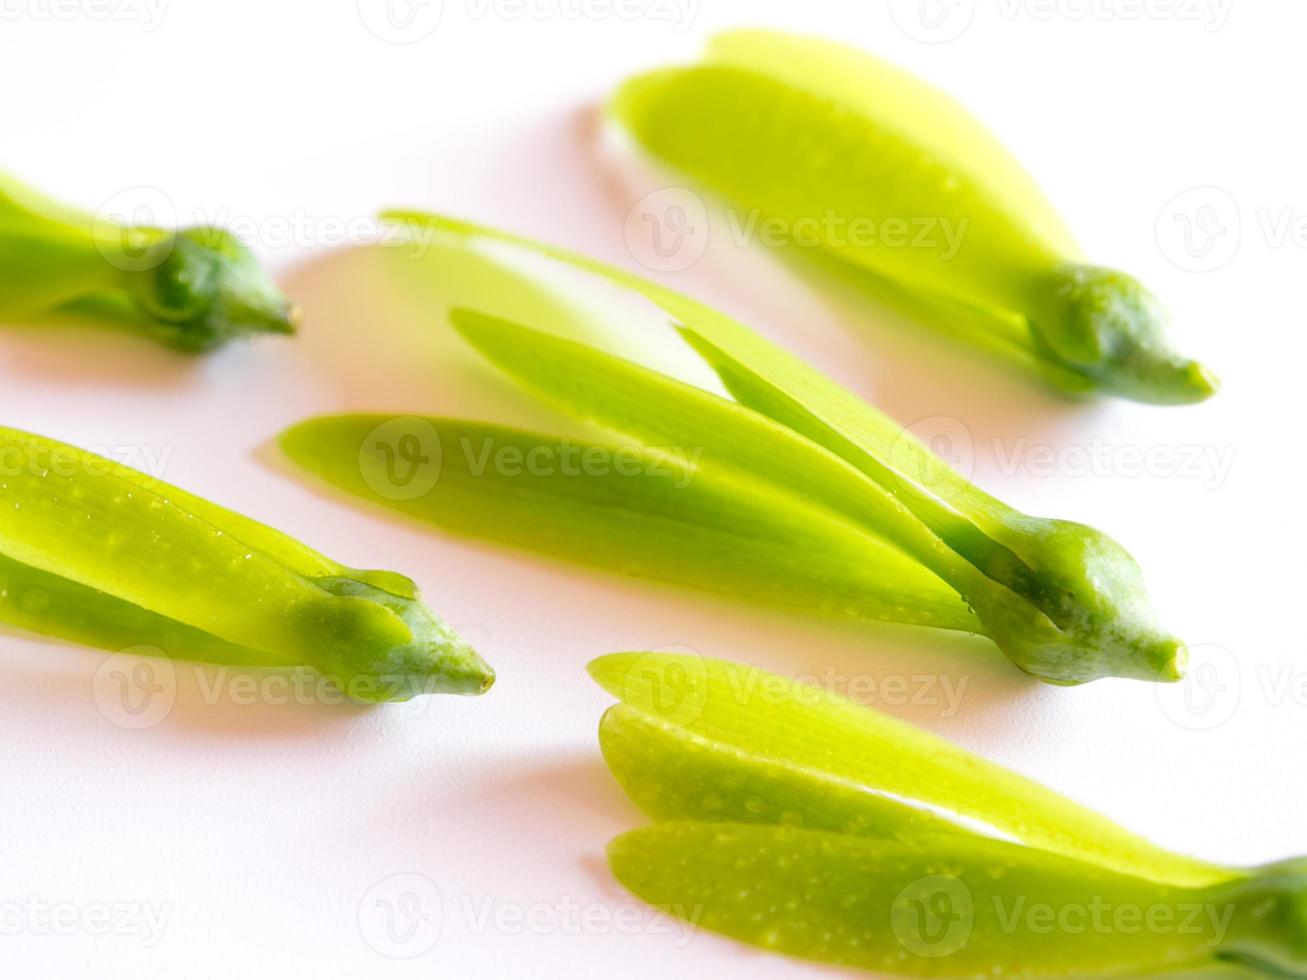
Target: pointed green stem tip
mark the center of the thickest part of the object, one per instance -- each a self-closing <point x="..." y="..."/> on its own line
<point x="206" y="288"/>
<point x="1099" y="328"/>
<point x="378" y="645"/>
<point x="1077" y="609"/>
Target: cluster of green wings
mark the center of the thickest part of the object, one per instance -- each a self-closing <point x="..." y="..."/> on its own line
<point x="793" y="491"/>
<point x="792" y="818"/>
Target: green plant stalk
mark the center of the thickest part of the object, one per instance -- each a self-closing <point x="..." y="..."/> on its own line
<point x="879" y="170"/>
<point x="99" y="553"/>
<point x="1063" y="601"/>
<point x="798" y="820"/>
<point x="193" y="289"/>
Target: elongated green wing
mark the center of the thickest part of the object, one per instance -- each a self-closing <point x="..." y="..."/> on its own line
<point x="764" y="376"/>
<point x="935" y="907"/>
<point x="771" y="380"/>
<point x="856" y="155"/>
<point x="890" y="175"/>
<point x="800" y="739"/>
<point x="77" y="517"/>
<point x="48" y="254"/>
<point x="659" y="513"/>
<point x="658" y="410"/>
<point x="53" y="606"/>
<point x="904" y="106"/>
<point x="1064" y="601"/>
<point x="674" y="774"/>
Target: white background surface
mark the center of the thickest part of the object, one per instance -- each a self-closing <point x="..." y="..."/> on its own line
<point x="258" y="832"/>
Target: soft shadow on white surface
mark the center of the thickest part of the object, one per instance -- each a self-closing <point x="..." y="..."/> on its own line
<point x="560" y="816"/>
<point x="206" y="699"/>
<point x="84" y="355"/>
